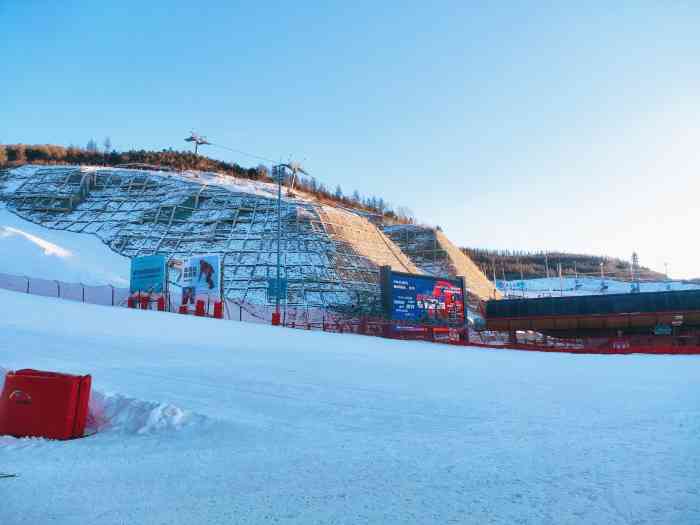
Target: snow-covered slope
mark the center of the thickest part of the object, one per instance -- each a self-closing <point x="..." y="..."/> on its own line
<point x="584" y="286"/>
<point x="330" y="257"/>
<point x="32" y="250"/>
<point x="225" y="422"/>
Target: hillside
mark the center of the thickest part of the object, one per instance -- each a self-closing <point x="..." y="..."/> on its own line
<point x="13" y="155"/>
<point x="534" y="265"/>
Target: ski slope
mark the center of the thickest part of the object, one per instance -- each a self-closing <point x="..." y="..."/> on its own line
<point x="32" y="250"/>
<point x="583" y="286"/>
<point x="206" y="421"/>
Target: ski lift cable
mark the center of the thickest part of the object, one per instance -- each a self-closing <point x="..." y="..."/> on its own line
<point x="241" y="152"/>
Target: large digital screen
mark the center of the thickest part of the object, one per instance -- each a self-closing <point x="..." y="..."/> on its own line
<point x="423" y="298"/>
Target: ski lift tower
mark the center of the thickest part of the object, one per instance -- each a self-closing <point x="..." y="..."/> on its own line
<point x="198" y="140"/>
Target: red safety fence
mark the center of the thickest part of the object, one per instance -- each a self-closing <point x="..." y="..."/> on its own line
<point x="632" y="344"/>
<point x="316" y="318"/>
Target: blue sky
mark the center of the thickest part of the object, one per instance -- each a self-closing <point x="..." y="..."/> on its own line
<point x="513" y="125"/>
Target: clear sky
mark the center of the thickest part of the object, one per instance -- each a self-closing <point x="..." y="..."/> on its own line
<point x="511" y="124"/>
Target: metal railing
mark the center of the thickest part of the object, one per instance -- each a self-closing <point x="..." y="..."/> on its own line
<point x="106" y="295"/>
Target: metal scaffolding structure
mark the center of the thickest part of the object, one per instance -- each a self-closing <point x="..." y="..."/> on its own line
<point x="431" y="251"/>
<point x="330" y="256"/>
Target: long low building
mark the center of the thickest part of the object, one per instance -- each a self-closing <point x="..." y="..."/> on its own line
<point x="589" y="315"/>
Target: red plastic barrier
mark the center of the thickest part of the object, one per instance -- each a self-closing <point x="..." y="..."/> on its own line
<point x="44" y="404"/>
<point x="183" y="309"/>
<point x="161" y="304"/>
<point x="219" y="310"/>
<point x="199" y="308"/>
<point x="276" y="318"/>
<point x="131" y="302"/>
<point x="145" y="300"/>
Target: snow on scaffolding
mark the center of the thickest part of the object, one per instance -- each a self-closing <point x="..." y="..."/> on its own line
<point x="330" y="256"/>
<point x="432" y="252"/>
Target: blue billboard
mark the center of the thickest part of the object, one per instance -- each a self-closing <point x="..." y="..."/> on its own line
<point x="422" y="298"/>
<point x="148" y="274"/>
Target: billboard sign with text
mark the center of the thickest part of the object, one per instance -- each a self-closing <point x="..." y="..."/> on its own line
<point x="422" y="298"/>
<point x="148" y="274"/>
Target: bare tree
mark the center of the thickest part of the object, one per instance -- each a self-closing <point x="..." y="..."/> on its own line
<point x="405" y="214"/>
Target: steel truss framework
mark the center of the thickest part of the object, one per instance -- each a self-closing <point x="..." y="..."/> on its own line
<point x="330" y="256"/>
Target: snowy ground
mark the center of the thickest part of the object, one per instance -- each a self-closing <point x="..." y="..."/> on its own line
<point x="32" y="250"/>
<point x="583" y="286"/>
<point x="225" y="422"/>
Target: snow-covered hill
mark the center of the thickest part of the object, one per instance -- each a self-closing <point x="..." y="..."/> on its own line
<point x="32" y="250"/>
<point x="215" y="422"/>
<point x="584" y="286"/>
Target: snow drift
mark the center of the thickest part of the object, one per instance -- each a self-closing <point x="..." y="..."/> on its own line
<point x="126" y="415"/>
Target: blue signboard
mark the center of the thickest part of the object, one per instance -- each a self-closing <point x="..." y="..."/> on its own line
<point x="423" y="298"/>
<point x="148" y="274"/>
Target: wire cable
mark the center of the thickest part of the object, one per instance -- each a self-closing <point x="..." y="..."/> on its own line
<point x="241" y="152"/>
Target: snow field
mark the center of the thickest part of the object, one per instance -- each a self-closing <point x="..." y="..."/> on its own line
<point x="584" y="286"/>
<point x="288" y="426"/>
<point x="32" y="250"/>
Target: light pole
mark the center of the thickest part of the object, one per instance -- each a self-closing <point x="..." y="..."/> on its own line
<point x="278" y="173"/>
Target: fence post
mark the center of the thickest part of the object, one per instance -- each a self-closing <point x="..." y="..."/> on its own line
<point x="83" y="287"/>
<point x="112" y="288"/>
<point x="58" y="289"/>
<point x="27" y="278"/>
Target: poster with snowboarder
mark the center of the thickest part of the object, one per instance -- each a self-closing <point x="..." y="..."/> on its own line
<point x="201" y="276"/>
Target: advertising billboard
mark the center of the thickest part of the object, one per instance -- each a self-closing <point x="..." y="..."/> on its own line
<point x="148" y="274"/>
<point x="201" y="275"/>
<point x="422" y="298"/>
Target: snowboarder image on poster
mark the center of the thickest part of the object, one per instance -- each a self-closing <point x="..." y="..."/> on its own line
<point x="206" y="270"/>
<point x="188" y="294"/>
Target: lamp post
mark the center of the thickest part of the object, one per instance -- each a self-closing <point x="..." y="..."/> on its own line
<point x="278" y="174"/>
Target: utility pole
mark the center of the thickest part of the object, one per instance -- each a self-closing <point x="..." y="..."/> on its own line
<point x="561" y="281"/>
<point x="635" y="273"/>
<point x="278" y="173"/>
<point x="522" y="279"/>
<point x="503" y="270"/>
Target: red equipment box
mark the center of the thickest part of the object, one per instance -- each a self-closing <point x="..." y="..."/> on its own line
<point x="44" y="404"/>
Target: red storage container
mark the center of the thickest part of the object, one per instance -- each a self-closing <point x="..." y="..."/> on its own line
<point x="44" y="404"/>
